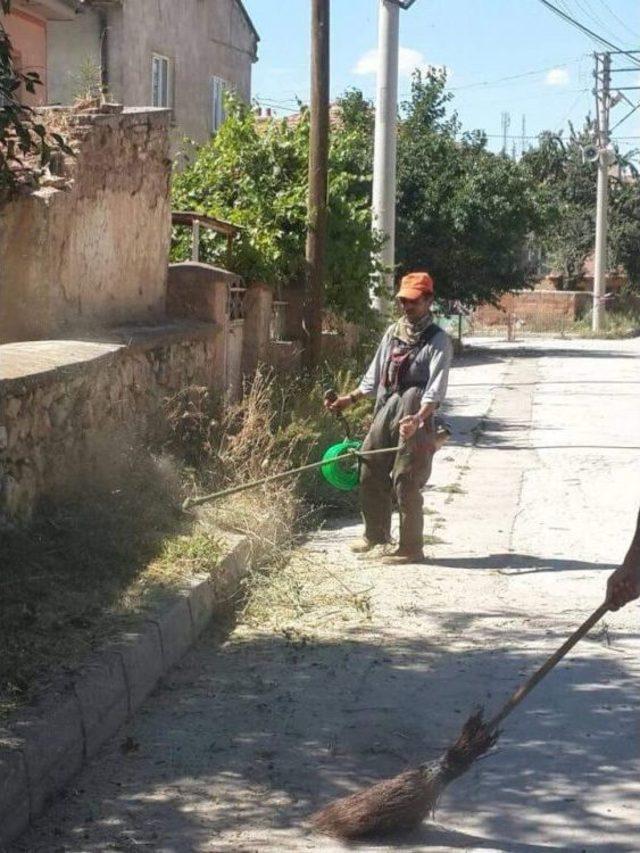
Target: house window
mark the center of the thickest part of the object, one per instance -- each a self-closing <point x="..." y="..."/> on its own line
<point x="160" y="81"/>
<point x="218" y="85"/>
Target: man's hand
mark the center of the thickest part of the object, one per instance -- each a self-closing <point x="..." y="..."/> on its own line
<point x="623" y="586"/>
<point x="339" y="403"/>
<point x="409" y="425"/>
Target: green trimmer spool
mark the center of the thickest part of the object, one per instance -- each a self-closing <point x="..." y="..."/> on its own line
<point x="342" y="474"/>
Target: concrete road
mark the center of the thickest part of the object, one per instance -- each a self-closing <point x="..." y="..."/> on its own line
<point x="359" y="669"/>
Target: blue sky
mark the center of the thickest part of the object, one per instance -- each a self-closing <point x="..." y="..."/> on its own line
<point x="479" y="41"/>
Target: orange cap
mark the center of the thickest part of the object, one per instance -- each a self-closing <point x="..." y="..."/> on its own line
<point x="414" y="285"/>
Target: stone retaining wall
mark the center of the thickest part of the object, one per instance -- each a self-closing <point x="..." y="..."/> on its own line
<point x="61" y="400"/>
<point x="89" y="249"/>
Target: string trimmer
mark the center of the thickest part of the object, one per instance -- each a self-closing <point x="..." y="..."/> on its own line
<point x="403" y="802"/>
<point x="339" y="464"/>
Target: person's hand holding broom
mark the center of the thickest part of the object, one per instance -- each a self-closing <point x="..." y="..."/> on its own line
<point x="623" y="585"/>
<point x="402" y="802"/>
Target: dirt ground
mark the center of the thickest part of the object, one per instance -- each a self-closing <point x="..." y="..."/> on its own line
<point x="346" y="670"/>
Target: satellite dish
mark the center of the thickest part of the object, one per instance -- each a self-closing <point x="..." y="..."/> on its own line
<point x="590" y="154"/>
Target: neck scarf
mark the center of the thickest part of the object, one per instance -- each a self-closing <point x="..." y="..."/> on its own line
<point x="409" y="333"/>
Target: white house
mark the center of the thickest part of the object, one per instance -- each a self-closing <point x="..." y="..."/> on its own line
<point x="180" y="54"/>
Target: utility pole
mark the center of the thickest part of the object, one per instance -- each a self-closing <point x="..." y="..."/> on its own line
<point x="505" y="121"/>
<point x="318" y="168"/>
<point x="384" y="148"/>
<point x="603" y="106"/>
<point x="383" y="208"/>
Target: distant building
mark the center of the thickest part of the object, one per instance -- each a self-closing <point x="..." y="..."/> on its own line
<point x="180" y="54"/>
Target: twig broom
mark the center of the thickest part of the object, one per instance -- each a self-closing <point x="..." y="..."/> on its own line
<point x="402" y="803"/>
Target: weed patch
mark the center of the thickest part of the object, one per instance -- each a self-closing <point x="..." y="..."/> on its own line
<point x="87" y="567"/>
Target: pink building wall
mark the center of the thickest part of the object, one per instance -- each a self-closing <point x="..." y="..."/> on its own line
<point x="28" y="34"/>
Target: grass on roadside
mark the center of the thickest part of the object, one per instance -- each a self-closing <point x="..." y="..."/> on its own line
<point x="86" y="568"/>
<point x="92" y="563"/>
<point x="617" y="323"/>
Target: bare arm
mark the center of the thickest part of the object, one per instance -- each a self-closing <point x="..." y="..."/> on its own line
<point x="435" y="390"/>
<point x="369" y="384"/>
<point x="623" y="585"/>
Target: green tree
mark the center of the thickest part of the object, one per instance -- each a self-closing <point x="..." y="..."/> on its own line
<point x="254" y="174"/>
<point x="464" y="213"/>
<point x="624" y="230"/>
<point x="566" y="188"/>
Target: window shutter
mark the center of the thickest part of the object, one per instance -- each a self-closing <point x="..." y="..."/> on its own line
<point x="155" y="81"/>
<point x="217" y="103"/>
<point x="160" y="81"/>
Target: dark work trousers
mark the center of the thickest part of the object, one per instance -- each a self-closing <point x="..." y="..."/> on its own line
<point x="403" y="473"/>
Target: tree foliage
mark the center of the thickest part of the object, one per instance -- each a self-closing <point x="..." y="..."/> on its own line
<point x="25" y="143"/>
<point x="567" y="196"/>
<point x="254" y="174"/>
<point x="464" y="213"/>
<point x="467" y="215"/>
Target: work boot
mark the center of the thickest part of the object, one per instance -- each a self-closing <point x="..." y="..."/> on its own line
<point x="402" y="557"/>
<point x="362" y="546"/>
<point x="382" y="549"/>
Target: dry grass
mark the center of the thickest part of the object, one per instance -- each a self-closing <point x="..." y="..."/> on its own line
<point x="617" y="323"/>
<point x="94" y="562"/>
<point x="89" y="566"/>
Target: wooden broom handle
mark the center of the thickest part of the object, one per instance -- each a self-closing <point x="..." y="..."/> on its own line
<point x="524" y="689"/>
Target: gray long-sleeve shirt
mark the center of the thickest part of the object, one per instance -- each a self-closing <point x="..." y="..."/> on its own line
<point x="430" y="368"/>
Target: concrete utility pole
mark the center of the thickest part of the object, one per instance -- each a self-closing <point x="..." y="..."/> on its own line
<point x="318" y="167"/>
<point x="384" y="149"/>
<point x="505" y="122"/>
<point x="603" y="106"/>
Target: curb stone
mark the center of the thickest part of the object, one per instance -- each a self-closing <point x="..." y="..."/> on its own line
<point x="44" y="748"/>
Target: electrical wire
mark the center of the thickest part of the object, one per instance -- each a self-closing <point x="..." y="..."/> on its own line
<point x="515" y="76"/>
<point x="588" y="10"/>
<point x="571" y="20"/>
<point x="618" y="18"/>
<point x="517" y="136"/>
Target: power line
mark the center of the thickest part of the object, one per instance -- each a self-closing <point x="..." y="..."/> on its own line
<point x="515" y="76"/>
<point x="572" y="107"/>
<point x="571" y="20"/>
<point x="533" y="138"/>
<point x="618" y="18"/>
<point x="586" y="7"/>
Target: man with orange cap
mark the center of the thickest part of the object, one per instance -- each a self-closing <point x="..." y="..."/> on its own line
<point x="408" y="377"/>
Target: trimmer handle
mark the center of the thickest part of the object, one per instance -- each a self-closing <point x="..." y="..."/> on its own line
<point x="330" y="396"/>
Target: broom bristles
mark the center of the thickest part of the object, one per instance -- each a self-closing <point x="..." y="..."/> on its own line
<point x="402" y="803"/>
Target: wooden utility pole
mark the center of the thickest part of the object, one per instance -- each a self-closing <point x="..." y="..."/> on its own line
<point x="318" y="167"/>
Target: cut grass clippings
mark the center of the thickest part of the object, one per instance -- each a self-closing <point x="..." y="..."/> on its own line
<point x="298" y="595"/>
<point x="452" y="489"/>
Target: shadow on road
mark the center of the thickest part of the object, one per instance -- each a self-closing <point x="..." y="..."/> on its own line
<point x="253" y="733"/>
<point x="477" y="355"/>
<point x="519" y="564"/>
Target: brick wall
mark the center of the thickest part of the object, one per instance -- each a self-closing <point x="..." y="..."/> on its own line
<point x="529" y="306"/>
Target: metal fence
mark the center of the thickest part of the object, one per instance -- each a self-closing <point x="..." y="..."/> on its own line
<point x="512" y="326"/>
